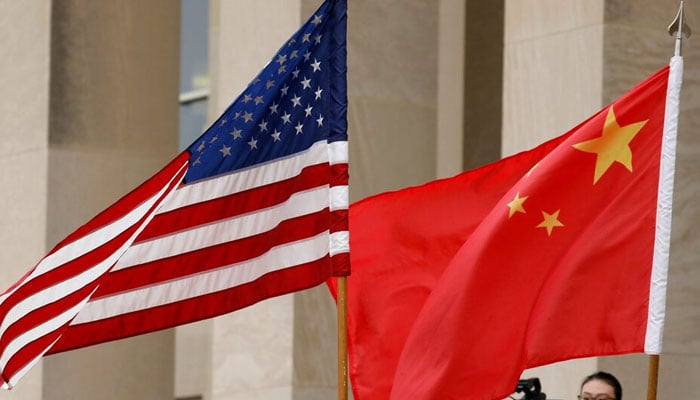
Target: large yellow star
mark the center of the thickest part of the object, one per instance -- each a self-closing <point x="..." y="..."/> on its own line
<point x="612" y="146"/>
<point x="516" y="205"/>
<point x="550" y="221"/>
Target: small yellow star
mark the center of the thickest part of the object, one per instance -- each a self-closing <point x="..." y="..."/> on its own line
<point x="516" y="205"/>
<point x="550" y="222"/>
<point x="612" y="146"/>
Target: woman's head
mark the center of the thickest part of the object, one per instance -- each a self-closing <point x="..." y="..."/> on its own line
<point x="601" y="384"/>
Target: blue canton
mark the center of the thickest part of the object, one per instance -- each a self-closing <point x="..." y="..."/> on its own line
<point x="284" y="110"/>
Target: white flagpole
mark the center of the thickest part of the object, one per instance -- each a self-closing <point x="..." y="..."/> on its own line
<point x="657" y="298"/>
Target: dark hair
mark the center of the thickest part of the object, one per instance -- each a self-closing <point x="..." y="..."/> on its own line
<point x="607" y="378"/>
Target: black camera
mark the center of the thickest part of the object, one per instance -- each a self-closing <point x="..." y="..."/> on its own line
<point x="532" y="389"/>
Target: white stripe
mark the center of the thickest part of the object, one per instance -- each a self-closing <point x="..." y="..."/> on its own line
<point x="90" y="241"/>
<point x="300" y="203"/>
<point x="256" y="176"/>
<point x="340" y="242"/>
<point x="659" y="272"/>
<point x="31" y="335"/>
<point x="338" y="152"/>
<point x="22" y="371"/>
<point x="278" y="258"/>
<point x="60" y="290"/>
<point x="338" y="198"/>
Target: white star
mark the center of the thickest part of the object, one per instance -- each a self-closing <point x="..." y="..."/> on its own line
<point x="225" y="150"/>
<point x="201" y="147"/>
<point x="316" y="65"/>
<point x="318" y="93"/>
<point x="308" y="110"/>
<point x="282" y="69"/>
<point x="298" y="128"/>
<point x="296" y="100"/>
<point x="273" y="108"/>
<point x="306" y="83"/>
<point x="317" y="20"/>
<point x="223" y="122"/>
<point x="285" y="118"/>
<point x="284" y="90"/>
<point x="236" y="115"/>
<point x="263" y="126"/>
<point x="269" y="84"/>
<point x="317" y="38"/>
<point x="281" y="58"/>
<point x="320" y="120"/>
<point x="236" y="133"/>
<point x="307" y="55"/>
<point x="247" y="98"/>
<point x="213" y="139"/>
<point x="306" y="38"/>
<point x="294" y="54"/>
<point x="253" y="144"/>
<point x="276" y="135"/>
<point x="247" y="116"/>
<point x="296" y="73"/>
<point x="259" y="100"/>
<point x="197" y="161"/>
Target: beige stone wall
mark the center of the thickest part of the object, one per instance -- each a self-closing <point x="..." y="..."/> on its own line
<point x="636" y="45"/>
<point x="564" y="61"/>
<point x="91" y="93"/>
<point x="552" y="80"/>
<point x="113" y="123"/>
<point x="24" y="114"/>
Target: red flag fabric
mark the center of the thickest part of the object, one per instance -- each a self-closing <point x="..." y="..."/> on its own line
<point x="255" y="208"/>
<point x="461" y="284"/>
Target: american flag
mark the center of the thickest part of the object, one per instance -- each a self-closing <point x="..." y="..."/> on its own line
<point x="256" y="207"/>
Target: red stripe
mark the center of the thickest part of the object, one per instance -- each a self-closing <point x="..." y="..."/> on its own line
<point x="339" y="175"/>
<point x="28" y="353"/>
<point x="69" y="270"/>
<point x="74" y="267"/>
<point x="55" y="276"/>
<point x="340" y="264"/>
<point x="130" y="201"/>
<point x="212" y="257"/>
<point x="273" y="284"/>
<point x="235" y="204"/>
<point x="43" y="314"/>
<point x="338" y="221"/>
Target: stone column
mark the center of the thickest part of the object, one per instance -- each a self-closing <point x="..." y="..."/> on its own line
<point x="552" y="80"/>
<point x="563" y="62"/>
<point x="24" y="120"/>
<point x="635" y="45"/>
<point x="113" y="123"/>
<point x="285" y="348"/>
<point x="251" y="349"/>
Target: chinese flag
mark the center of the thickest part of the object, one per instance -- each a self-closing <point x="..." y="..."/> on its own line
<point x="461" y="284"/>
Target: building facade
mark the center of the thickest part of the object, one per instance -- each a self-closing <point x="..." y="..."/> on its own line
<point x="90" y="109"/>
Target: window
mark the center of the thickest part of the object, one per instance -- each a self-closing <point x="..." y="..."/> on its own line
<point x="194" y="70"/>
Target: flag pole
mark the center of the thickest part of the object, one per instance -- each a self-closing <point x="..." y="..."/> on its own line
<point x="653" y="381"/>
<point x="342" y="338"/>
<point x="677" y="28"/>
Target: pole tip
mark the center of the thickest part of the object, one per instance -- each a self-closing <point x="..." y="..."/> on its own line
<point x="678" y="25"/>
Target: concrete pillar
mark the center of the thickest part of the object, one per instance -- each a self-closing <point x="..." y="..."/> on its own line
<point x="563" y="62"/>
<point x="285" y="348"/>
<point x="113" y="123"/>
<point x="251" y="349"/>
<point x="636" y="44"/>
<point x="24" y="120"/>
